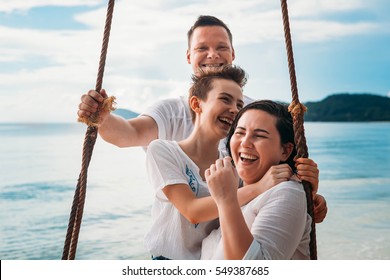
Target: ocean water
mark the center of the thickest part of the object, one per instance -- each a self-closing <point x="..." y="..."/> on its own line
<point x="40" y="164"/>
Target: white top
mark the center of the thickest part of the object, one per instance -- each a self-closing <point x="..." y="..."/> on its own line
<point x="173" y="118"/>
<point x="279" y="223"/>
<point x="172" y="235"/>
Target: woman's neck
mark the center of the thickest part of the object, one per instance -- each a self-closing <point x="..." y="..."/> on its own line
<point x="201" y="149"/>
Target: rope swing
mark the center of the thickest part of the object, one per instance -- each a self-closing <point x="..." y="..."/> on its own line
<point x="297" y="111"/>
<point x="76" y="214"/>
<point x="296" y="108"/>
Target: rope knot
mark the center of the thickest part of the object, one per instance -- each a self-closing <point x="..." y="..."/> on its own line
<point x="94" y="120"/>
<point x="297" y="108"/>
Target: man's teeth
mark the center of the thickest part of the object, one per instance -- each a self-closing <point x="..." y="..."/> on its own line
<point x="212" y="65"/>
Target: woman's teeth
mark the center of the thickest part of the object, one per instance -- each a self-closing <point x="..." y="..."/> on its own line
<point x="247" y="157"/>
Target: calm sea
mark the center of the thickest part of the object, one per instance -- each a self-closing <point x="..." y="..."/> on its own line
<point x="40" y="164"/>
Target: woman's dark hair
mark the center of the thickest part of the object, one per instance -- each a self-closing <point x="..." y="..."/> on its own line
<point x="284" y="124"/>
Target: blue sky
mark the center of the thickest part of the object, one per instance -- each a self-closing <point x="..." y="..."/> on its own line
<point x="49" y="51"/>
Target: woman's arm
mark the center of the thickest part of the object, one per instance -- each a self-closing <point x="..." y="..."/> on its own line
<point x="197" y="210"/>
<point x="194" y="209"/>
<point x="274" y="176"/>
<point x="203" y="209"/>
<point x="236" y="236"/>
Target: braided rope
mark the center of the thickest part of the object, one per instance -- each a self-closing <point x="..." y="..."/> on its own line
<point x="297" y="111"/>
<point x="76" y="214"/>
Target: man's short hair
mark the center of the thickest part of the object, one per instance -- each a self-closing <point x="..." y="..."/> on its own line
<point x="205" y="20"/>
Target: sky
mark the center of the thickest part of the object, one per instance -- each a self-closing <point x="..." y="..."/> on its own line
<point x="50" y="49"/>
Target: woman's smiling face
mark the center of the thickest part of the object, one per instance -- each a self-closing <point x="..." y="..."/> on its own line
<point x="223" y="102"/>
<point x="256" y="145"/>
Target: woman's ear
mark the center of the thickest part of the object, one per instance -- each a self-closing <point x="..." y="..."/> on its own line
<point x="195" y="104"/>
<point x="287" y="150"/>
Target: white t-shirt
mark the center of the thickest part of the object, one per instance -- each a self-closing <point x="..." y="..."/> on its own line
<point x="171" y="234"/>
<point x="174" y="120"/>
<point x="279" y="223"/>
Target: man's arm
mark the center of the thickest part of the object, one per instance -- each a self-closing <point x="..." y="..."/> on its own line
<point x="308" y="171"/>
<point x="115" y="129"/>
<point x="128" y="133"/>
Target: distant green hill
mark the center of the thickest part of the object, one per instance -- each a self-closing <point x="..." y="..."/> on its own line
<point x="127" y="114"/>
<point x="345" y="107"/>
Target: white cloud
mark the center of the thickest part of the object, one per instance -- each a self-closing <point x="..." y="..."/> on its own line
<point x="10" y="6"/>
<point x="301" y="8"/>
<point x="146" y="55"/>
<point x="307" y="30"/>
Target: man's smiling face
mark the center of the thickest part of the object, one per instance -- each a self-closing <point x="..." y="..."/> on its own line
<point x="209" y="47"/>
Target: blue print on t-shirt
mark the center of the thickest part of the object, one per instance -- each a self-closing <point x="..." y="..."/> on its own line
<point x="192" y="181"/>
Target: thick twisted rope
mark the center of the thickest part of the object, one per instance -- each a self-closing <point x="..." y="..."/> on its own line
<point x="76" y="214"/>
<point x="297" y="111"/>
